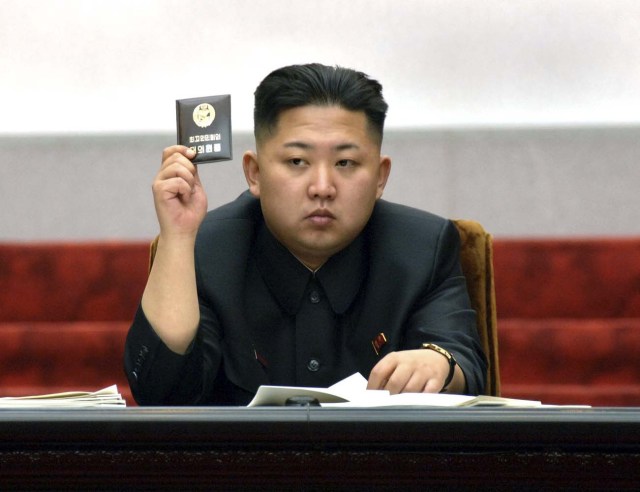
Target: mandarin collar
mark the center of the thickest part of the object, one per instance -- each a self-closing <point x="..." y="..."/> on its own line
<point x="341" y="276"/>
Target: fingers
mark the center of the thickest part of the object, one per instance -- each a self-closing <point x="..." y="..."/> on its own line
<point x="388" y="374"/>
<point x="177" y="175"/>
<point x="179" y="196"/>
<point x="177" y="149"/>
<point x="409" y="371"/>
<point x="391" y="375"/>
<point x="380" y="373"/>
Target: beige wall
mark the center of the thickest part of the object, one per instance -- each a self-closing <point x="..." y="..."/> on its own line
<point x="517" y="182"/>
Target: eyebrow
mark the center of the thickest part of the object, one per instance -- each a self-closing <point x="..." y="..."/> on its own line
<point x="306" y="146"/>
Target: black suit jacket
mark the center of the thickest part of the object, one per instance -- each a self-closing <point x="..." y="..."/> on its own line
<point x="414" y="292"/>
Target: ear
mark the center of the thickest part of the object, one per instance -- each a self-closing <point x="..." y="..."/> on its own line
<point x="383" y="174"/>
<point x="252" y="172"/>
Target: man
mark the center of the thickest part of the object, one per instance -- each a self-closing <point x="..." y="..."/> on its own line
<point x="308" y="277"/>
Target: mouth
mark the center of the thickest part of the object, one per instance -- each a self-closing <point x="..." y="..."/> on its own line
<point x="320" y="216"/>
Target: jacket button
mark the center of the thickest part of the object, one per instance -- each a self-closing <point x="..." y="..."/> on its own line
<point x="314" y="297"/>
<point x="313" y="365"/>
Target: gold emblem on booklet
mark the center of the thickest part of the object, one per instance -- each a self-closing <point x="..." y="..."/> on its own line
<point x="204" y="124"/>
<point x="204" y="114"/>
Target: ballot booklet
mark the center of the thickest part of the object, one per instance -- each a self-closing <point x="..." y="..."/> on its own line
<point x="104" y="398"/>
<point x="353" y="392"/>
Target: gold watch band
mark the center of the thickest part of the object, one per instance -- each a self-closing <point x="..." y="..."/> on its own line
<point x="448" y="356"/>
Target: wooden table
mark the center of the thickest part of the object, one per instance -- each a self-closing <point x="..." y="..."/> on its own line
<point x="320" y="448"/>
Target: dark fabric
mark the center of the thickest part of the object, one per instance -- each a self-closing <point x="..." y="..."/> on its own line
<point x="401" y="277"/>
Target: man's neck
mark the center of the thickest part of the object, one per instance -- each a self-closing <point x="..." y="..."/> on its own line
<point x="308" y="267"/>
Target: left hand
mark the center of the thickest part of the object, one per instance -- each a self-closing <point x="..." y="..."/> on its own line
<point x="413" y="371"/>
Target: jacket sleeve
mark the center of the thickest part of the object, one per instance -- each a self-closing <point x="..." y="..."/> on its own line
<point x="159" y="376"/>
<point x="150" y="366"/>
<point x="442" y="312"/>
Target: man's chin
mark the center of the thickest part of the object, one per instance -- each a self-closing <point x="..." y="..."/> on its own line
<point x="322" y="250"/>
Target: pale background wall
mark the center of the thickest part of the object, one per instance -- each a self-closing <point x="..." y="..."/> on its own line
<point x="522" y="114"/>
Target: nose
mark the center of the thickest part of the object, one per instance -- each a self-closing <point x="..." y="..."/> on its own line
<point x="322" y="184"/>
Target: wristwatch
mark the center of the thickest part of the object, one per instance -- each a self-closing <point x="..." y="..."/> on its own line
<point x="450" y="358"/>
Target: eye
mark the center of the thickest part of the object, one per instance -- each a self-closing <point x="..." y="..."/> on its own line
<point x="345" y="163"/>
<point x="296" y="162"/>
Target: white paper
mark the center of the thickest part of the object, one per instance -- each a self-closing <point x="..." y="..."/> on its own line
<point x="352" y="392"/>
<point x="106" y="397"/>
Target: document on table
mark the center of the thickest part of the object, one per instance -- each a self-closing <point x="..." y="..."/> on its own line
<point x="106" y="397"/>
<point x="353" y="392"/>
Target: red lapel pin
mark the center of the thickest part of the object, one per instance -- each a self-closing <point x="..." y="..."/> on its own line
<point x="378" y="342"/>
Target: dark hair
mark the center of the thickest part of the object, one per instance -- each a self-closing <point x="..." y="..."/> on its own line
<point x="315" y="84"/>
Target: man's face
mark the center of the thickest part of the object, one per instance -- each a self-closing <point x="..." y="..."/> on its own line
<point x="318" y="175"/>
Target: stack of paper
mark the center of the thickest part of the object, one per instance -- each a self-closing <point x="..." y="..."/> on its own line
<point x="352" y="392"/>
<point x="107" y="397"/>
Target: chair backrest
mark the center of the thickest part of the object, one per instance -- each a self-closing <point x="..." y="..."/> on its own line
<point x="476" y="258"/>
